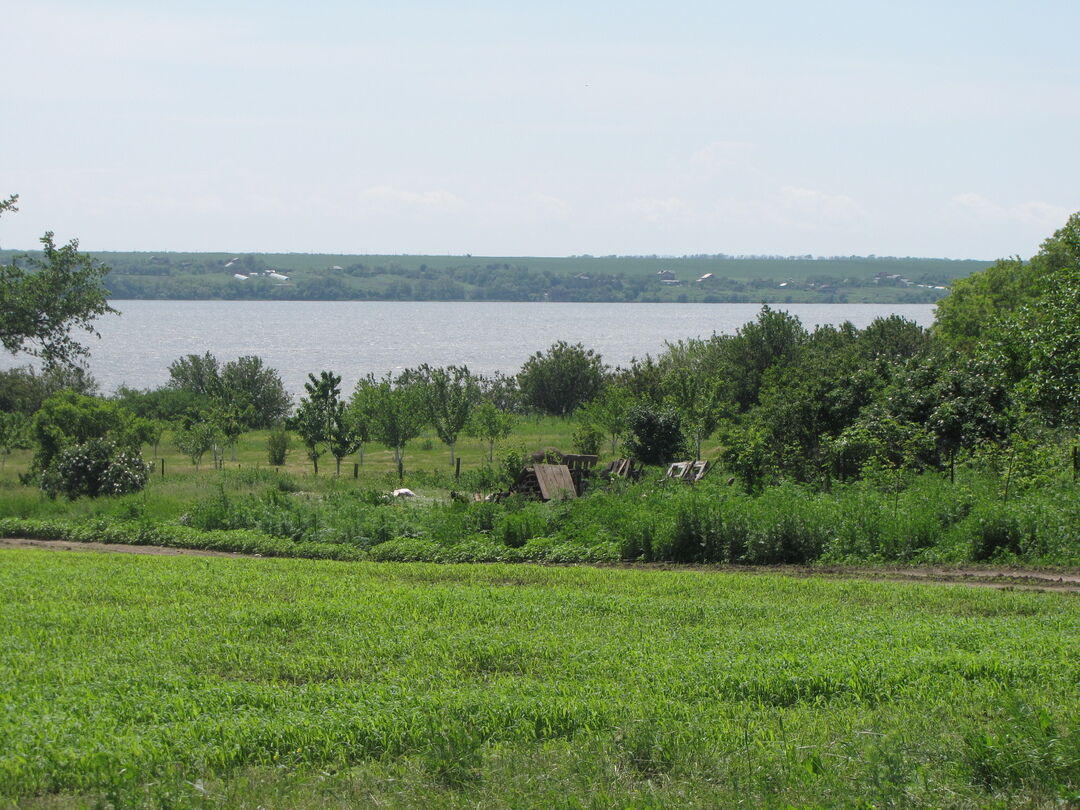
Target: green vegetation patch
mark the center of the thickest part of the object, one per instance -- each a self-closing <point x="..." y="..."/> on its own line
<point x="133" y="681"/>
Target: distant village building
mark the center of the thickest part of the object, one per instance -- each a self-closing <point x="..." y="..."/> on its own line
<point x="665" y="275"/>
<point x="277" y="276"/>
<point x="704" y="278"/>
<point x="240" y="276"/>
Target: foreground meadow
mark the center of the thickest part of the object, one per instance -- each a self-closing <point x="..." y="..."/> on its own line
<point x="131" y="681"/>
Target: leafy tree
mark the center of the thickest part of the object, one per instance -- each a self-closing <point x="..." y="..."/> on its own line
<point x="198" y="374"/>
<point x="343" y="438"/>
<point x="644" y="379"/>
<point x="68" y="418"/>
<point x="696" y="399"/>
<point x="14" y="434"/>
<point x="655" y="434"/>
<point x="246" y="384"/>
<point x="42" y="300"/>
<point x="772" y="340"/>
<point x="562" y="379"/>
<point x="25" y="389"/>
<point x="360" y="417"/>
<point x="228" y="423"/>
<point x="502" y="391"/>
<point x="315" y="416"/>
<point x="1049" y="333"/>
<point x="608" y="413"/>
<point x="395" y="410"/>
<point x="490" y="424"/>
<point x="587" y="438"/>
<point x="977" y="305"/>
<point x="166" y="404"/>
<point x="251" y="386"/>
<point x="194" y="437"/>
<point x="450" y="394"/>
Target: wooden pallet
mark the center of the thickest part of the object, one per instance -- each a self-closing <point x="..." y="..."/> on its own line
<point x="688" y="470"/>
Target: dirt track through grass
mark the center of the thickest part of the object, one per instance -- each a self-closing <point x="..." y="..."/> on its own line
<point x="1005" y="578"/>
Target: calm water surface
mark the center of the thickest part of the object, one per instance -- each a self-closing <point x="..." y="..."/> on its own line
<point x="353" y="338"/>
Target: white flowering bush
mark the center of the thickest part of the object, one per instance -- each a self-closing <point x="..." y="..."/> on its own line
<point x="93" y="468"/>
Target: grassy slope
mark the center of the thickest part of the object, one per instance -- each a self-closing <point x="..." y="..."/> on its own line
<point x="284" y="683"/>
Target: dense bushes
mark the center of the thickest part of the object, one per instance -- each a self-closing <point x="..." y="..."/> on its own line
<point x="914" y="519"/>
<point x="96" y="467"/>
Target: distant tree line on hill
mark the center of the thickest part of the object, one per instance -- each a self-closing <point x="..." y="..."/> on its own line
<point x="615" y="280"/>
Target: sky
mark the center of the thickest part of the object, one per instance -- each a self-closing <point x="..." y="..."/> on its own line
<point x="944" y="129"/>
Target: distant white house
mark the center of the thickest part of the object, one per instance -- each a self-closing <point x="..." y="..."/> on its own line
<point x="240" y="276"/>
<point x="706" y="277"/>
<point x="337" y="267"/>
<point x="665" y="275"/>
<point x="277" y="276"/>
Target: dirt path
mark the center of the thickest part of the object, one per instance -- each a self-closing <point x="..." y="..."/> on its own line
<point x="971" y="576"/>
<point x="115" y="548"/>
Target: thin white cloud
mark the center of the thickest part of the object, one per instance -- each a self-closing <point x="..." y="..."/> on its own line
<point x="720" y="155"/>
<point x="435" y="198"/>
<point x="662" y="209"/>
<point x="1034" y="212"/>
<point x="811" y="206"/>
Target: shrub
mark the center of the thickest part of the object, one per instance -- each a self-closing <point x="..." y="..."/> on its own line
<point x="277" y="446"/>
<point x="96" y="467"/>
<point x="588" y="438"/>
<point x="655" y="434"/>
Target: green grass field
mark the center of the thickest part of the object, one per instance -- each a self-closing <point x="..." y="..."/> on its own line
<point x="130" y="681"/>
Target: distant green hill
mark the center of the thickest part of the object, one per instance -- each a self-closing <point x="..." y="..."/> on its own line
<point x="707" y="279"/>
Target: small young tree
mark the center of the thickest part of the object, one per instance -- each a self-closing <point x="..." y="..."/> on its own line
<point x="608" y="413"/>
<point x="343" y="438"/>
<point x="277" y="446"/>
<point x="359" y="414"/>
<point x="450" y="394"/>
<point x="396" y="411"/>
<point x="490" y="424"/>
<point x="315" y="416"/>
<point x="194" y="438"/>
<point x="696" y="399"/>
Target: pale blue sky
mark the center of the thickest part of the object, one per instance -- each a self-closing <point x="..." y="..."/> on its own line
<point x="917" y="128"/>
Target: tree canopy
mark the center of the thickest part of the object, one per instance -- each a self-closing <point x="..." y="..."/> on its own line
<point x="44" y="299"/>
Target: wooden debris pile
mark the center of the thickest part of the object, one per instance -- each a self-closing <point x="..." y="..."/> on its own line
<point x="622" y="468"/>
<point x="689" y="471"/>
<point x="549" y="480"/>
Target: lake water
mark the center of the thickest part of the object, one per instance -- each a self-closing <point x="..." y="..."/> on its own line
<point x="353" y="338"/>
